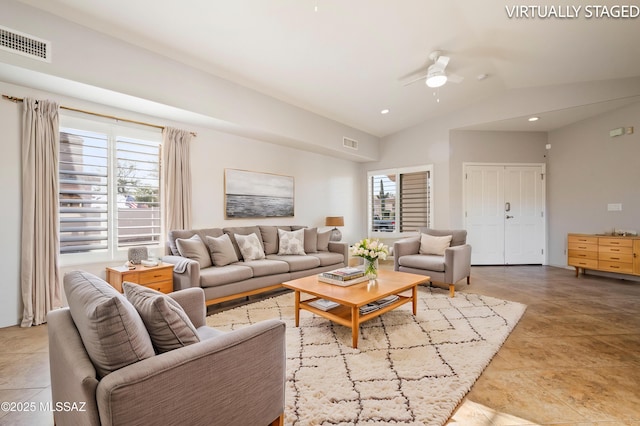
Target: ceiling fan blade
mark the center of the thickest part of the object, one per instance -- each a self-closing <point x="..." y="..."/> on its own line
<point x="414" y="80"/>
<point x="454" y="78"/>
<point x="441" y="63"/>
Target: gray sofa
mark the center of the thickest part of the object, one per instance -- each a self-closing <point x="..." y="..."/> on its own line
<point x="449" y="267"/>
<point x="247" y="277"/>
<point x="227" y="378"/>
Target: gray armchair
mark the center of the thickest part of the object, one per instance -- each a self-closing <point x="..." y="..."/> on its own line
<point x="448" y="269"/>
<point x="233" y="378"/>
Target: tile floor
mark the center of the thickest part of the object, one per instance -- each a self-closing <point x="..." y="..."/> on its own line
<point x="574" y="358"/>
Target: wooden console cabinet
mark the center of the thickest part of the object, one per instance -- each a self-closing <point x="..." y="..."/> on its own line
<point x="156" y="277"/>
<point x="604" y="253"/>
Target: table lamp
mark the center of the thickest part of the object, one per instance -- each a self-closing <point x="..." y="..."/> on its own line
<point x="335" y="221"/>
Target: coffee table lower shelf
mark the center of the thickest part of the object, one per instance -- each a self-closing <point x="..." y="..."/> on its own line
<point x="349" y="316"/>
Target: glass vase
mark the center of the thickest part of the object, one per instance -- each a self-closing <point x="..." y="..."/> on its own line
<point x="371" y="269"/>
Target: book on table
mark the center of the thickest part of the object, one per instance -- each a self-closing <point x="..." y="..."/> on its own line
<point x="323" y="304"/>
<point x="324" y="279"/>
<point x="344" y="274"/>
<point x="380" y="303"/>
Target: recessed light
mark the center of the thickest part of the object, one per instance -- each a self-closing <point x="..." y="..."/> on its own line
<point x="481" y="77"/>
<point x="534" y="118"/>
<point x="385" y="111"/>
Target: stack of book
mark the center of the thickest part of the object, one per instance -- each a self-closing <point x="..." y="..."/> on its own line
<point x="323" y="304"/>
<point x="381" y="303"/>
<point x="343" y="276"/>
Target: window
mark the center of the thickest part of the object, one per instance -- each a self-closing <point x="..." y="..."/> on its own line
<point x="109" y="188"/>
<point x="399" y="200"/>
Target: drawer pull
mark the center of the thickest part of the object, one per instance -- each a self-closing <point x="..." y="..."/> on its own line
<point x="615" y="267"/>
<point x="615" y="250"/>
<point x="582" y="255"/>
<point x="582" y="247"/>
<point x="581" y="263"/>
<point x="615" y="258"/>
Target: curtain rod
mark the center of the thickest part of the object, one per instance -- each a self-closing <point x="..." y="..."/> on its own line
<point x="112" y="117"/>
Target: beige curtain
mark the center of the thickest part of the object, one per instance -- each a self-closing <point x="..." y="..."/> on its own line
<point x="39" y="274"/>
<point x="177" y="178"/>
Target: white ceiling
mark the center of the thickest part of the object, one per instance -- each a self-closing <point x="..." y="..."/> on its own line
<point x="348" y="60"/>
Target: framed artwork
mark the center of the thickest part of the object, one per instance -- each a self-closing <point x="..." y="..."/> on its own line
<point x="252" y="194"/>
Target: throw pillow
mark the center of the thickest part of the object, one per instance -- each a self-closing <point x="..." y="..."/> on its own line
<point x="194" y="248"/>
<point x="250" y="247"/>
<point x="221" y="250"/>
<point x="168" y="324"/>
<point x="111" y="329"/>
<point x="310" y="240"/>
<point x="434" y="245"/>
<point x="323" y="240"/>
<point x="291" y="242"/>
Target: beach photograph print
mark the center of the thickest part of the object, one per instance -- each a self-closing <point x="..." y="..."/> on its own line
<point x="252" y="194"/>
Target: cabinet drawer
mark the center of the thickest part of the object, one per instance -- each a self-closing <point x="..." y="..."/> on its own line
<point x="624" y="268"/>
<point x="583" y="246"/>
<point x="162" y="286"/>
<point x="615" y="250"/>
<point x="582" y="239"/>
<point x="155" y="275"/>
<point x="583" y="263"/>
<point x="615" y="257"/>
<point x="583" y="254"/>
<point x="615" y="242"/>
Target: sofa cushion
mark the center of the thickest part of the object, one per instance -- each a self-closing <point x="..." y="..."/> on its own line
<point x="265" y="267"/>
<point x="328" y="258"/>
<point x="297" y="263"/>
<point x="434" y="245"/>
<point x="215" y="276"/>
<point x="168" y="324"/>
<point x="111" y="329"/>
<point x="221" y="249"/>
<point x="181" y="233"/>
<point x="250" y="247"/>
<point x="310" y="240"/>
<point x="323" y="240"/>
<point x="291" y="242"/>
<point x="195" y="249"/>
<point x="270" y="237"/>
<point x="429" y="262"/>
<point x="242" y="230"/>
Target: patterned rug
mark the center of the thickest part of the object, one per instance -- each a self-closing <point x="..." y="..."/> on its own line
<point x="406" y="371"/>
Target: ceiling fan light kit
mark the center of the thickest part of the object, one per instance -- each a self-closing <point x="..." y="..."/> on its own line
<point x="436" y="78"/>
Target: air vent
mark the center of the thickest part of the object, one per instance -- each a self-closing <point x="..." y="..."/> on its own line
<point x="349" y="143"/>
<point x="25" y="44"/>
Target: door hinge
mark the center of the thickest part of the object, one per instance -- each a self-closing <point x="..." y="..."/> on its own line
<point x="541" y="251"/>
<point x="541" y="214"/>
<point x="465" y="214"/>
<point x="541" y="176"/>
<point x="466" y="176"/>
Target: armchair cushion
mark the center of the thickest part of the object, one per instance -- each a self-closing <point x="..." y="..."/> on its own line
<point x="112" y="332"/>
<point x="434" y="245"/>
<point x="167" y="323"/>
<point x="428" y="262"/>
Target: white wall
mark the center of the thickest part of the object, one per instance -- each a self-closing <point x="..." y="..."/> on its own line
<point x="324" y="185"/>
<point x="588" y="170"/>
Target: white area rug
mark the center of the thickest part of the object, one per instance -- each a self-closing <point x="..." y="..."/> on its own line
<point x="407" y="370"/>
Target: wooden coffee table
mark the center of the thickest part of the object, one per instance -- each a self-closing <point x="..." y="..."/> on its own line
<point x="351" y="298"/>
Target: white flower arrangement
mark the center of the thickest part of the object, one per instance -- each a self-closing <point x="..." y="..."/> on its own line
<point x="370" y="249"/>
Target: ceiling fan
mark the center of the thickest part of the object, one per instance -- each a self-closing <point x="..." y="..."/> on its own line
<point x="436" y="75"/>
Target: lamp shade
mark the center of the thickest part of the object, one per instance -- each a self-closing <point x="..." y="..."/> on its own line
<point x="334" y="221"/>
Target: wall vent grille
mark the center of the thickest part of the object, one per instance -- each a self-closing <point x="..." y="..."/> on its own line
<point x="25" y="44"/>
<point x="349" y="143"/>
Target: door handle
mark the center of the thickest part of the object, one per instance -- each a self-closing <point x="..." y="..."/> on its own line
<point x="507" y="207"/>
<point x="509" y="217"/>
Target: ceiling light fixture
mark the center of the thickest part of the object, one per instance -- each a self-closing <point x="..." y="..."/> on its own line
<point x="481" y="77"/>
<point x="436" y="78"/>
<point x="534" y="119"/>
<point x="385" y="111"/>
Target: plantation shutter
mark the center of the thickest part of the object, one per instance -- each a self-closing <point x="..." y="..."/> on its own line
<point x="83" y="172"/>
<point x="139" y="219"/>
<point x="414" y="201"/>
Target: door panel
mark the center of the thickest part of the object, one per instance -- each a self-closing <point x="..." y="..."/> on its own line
<point x="485" y="214"/>
<point x="505" y="214"/>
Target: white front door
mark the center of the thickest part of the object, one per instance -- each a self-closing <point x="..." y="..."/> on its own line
<point x="504" y="213"/>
